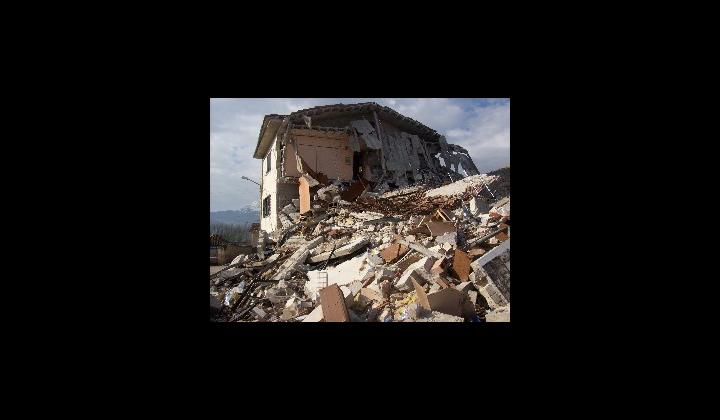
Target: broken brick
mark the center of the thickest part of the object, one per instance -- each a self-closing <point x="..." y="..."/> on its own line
<point x="439" y="266"/>
<point x="333" y="303"/>
<point x="391" y="253"/>
<point x="461" y="265"/>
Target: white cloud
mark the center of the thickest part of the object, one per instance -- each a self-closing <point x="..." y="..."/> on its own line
<point x="481" y="126"/>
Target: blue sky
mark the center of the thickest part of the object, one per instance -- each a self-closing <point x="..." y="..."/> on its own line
<point x="480" y="125"/>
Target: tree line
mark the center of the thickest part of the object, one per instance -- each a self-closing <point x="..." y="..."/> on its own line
<point x="231" y="232"/>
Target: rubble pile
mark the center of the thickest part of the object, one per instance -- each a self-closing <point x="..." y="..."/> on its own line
<point x="372" y="252"/>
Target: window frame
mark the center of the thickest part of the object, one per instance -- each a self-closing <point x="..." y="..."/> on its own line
<point x="267" y="208"/>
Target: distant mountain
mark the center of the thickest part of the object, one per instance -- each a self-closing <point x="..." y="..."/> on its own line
<point x="247" y="215"/>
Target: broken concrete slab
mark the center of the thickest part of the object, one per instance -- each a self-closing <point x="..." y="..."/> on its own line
<point x="421" y="249"/>
<point x="418" y="271"/>
<point x="501" y="314"/>
<point x="490" y="291"/>
<point x="447" y="238"/>
<point x="489" y="256"/>
<point x="315" y="316"/>
<point x="465" y="286"/>
<point x="328" y="193"/>
<point x="478" y="206"/>
<point x="472" y="294"/>
<point x="436" y="316"/>
<point x="259" y="313"/>
<point x="341" y="274"/>
<point x="289" y="209"/>
<point x="342" y="251"/>
<point x="333" y="302"/>
<point x="296" y="259"/>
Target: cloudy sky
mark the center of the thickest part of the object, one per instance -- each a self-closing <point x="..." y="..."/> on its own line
<point x="482" y="126"/>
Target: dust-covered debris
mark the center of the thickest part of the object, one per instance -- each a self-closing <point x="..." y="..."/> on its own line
<point x="368" y="252"/>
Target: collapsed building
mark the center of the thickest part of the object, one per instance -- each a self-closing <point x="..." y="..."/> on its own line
<point x="369" y="216"/>
<point x="359" y="143"/>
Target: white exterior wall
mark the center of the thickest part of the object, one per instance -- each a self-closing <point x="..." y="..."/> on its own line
<point x="269" y="187"/>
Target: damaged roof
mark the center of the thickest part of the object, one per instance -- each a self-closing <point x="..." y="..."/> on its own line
<point x="271" y="123"/>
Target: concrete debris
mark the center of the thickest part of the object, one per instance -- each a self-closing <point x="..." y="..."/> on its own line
<point x="345" y="250"/>
<point x="436" y="316"/>
<point x="404" y="248"/>
<point x="448" y="238"/>
<point x="498" y="315"/>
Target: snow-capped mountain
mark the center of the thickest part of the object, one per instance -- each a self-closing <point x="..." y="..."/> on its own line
<point x="248" y="214"/>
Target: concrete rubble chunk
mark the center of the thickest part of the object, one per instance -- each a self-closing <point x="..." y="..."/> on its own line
<point x="328" y="193"/>
<point x="289" y="209"/>
<point x="473" y="296"/>
<point x="501" y="314"/>
<point x="240" y="258"/>
<point x="297" y="259"/>
<point x="418" y="271"/>
<point x="386" y="315"/>
<point x="478" y="206"/>
<point x="259" y="313"/>
<point x="448" y="238"/>
<point x="436" y="316"/>
<point x="375" y="310"/>
<point x="375" y="259"/>
<point x="341" y="274"/>
<point x="315" y="316"/>
<point x="342" y="251"/>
